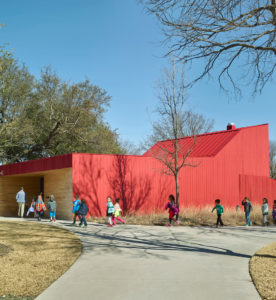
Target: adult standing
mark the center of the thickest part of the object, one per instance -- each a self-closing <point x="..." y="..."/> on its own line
<point x="21" y="200"/>
<point x="247" y="210"/>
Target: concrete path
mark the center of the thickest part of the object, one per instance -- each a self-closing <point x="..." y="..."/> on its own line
<point x="141" y="262"/>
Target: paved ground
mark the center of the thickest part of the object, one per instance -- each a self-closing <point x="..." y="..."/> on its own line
<point x="142" y="262"/>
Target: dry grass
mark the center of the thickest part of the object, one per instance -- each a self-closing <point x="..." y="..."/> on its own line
<point x="263" y="271"/>
<point x="193" y="216"/>
<point x="33" y="256"/>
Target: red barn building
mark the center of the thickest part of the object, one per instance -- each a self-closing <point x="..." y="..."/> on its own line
<point x="231" y="164"/>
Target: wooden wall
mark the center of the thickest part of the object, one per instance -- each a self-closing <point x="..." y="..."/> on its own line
<point x="9" y="186"/>
<point x="56" y="182"/>
<point x="59" y="184"/>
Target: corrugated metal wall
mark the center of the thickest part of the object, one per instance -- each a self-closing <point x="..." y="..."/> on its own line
<point x="256" y="188"/>
<point x="136" y="180"/>
<point x="142" y="186"/>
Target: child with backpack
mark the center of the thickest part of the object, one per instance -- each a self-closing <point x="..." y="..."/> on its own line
<point x="117" y="212"/>
<point x="52" y="206"/>
<point x="40" y="207"/>
<point x="76" y="207"/>
<point x="109" y="211"/>
<point x="219" y="208"/>
<point x="173" y="210"/>
<point x="83" y="210"/>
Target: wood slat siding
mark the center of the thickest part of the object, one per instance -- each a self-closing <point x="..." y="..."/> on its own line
<point x="59" y="183"/>
<point x="9" y="186"/>
<point x="56" y="182"/>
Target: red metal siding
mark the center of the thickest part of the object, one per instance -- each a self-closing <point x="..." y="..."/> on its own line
<point x="134" y="179"/>
<point x="247" y="153"/>
<point x="141" y="185"/>
<point x="257" y="188"/>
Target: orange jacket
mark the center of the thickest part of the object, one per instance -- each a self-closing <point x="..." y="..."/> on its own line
<point x="40" y="205"/>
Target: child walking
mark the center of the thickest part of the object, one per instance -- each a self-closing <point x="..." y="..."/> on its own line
<point x="82" y="213"/>
<point x="76" y="207"/>
<point x="247" y="210"/>
<point x="274" y="212"/>
<point x="117" y="212"/>
<point x="220" y="211"/>
<point x="265" y="212"/>
<point x="109" y="211"/>
<point x="52" y="206"/>
<point x="173" y="210"/>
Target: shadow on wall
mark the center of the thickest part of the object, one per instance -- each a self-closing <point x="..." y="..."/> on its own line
<point x="87" y="185"/>
<point x="139" y="187"/>
<point x="128" y="184"/>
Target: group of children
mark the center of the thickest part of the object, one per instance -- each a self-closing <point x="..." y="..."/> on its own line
<point x="80" y="210"/>
<point x="247" y="210"/>
<point x="38" y="207"/>
<point x="113" y="210"/>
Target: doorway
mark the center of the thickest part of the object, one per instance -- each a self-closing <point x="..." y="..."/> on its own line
<point x="42" y="186"/>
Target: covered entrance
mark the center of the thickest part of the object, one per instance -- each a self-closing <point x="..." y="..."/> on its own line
<point x="53" y="182"/>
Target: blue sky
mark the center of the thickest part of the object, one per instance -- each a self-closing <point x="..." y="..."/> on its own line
<point x="116" y="45"/>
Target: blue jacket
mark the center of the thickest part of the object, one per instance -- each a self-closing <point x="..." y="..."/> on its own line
<point x="76" y="205"/>
<point x="21" y="197"/>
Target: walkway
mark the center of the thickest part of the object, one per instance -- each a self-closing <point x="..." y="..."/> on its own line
<point x="142" y="262"/>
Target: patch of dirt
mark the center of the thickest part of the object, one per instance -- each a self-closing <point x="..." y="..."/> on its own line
<point x="4" y="250"/>
<point x="263" y="271"/>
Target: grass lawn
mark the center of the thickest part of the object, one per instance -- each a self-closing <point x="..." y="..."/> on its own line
<point x="32" y="256"/>
<point x="263" y="271"/>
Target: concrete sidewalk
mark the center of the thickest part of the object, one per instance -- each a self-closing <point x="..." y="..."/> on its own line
<point x="142" y="262"/>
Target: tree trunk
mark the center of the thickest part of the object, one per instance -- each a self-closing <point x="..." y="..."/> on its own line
<point x="273" y="11"/>
<point x="177" y="193"/>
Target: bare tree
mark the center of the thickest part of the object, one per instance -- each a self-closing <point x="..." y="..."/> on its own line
<point x="223" y="34"/>
<point x="129" y="148"/>
<point x="172" y="98"/>
<point x="190" y="124"/>
<point x="272" y="159"/>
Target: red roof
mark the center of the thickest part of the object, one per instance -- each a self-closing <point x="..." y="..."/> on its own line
<point x="37" y="165"/>
<point x="208" y="144"/>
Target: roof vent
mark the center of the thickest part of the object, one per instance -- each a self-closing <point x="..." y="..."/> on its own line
<point x="231" y="126"/>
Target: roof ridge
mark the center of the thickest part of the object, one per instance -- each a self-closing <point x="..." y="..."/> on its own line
<point x="214" y="132"/>
<point x="253" y="126"/>
<point x="201" y="134"/>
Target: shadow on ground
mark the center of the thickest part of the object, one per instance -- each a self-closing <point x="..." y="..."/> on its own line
<point x="100" y="239"/>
